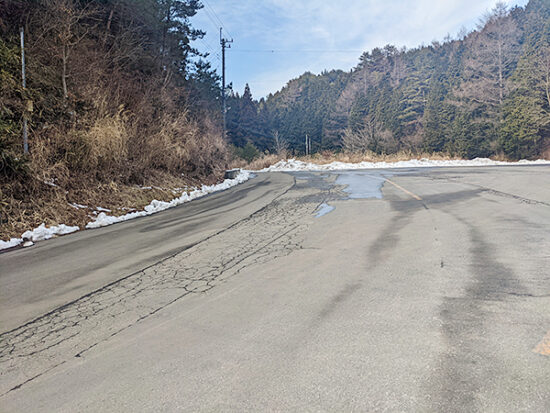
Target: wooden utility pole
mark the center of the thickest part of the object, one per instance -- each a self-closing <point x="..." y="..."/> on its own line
<point x="24" y="83"/>
<point x="225" y="43"/>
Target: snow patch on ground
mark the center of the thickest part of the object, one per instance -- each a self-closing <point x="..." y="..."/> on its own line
<point x="39" y="234"/>
<point x="14" y="242"/>
<point x="78" y="206"/>
<point x="43" y="232"/>
<point x="50" y="182"/>
<point x="295" y="165"/>
<point x="157" y="206"/>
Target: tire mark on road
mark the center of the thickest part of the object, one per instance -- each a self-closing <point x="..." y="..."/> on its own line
<point x="494" y="191"/>
<point x="465" y="322"/>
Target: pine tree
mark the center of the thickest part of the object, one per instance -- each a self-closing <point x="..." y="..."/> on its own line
<point x="177" y="33"/>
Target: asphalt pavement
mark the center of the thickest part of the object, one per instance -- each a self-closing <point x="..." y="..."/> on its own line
<point x="53" y="273"/>
<point x="379" y="290"/>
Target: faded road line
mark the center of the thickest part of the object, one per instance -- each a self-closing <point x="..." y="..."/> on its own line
<point x="544" y="346"/>
<point x="404" y="190"/>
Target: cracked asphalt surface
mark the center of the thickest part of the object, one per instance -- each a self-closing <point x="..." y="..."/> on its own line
<point x="434" y="298"/>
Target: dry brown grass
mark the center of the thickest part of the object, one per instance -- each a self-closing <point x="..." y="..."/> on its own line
<point x="100" y="164"/>
<point x="264" y="161"/>
<point x="326" y="157"/>
<point x="53" y="205"/>
<point x="108" y="141"/>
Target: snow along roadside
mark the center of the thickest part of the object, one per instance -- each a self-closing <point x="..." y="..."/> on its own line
<point x="102" y="220"/>
<point x="295" y="165"/>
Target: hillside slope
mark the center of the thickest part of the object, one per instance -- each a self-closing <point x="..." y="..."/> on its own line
<point x="120" y="110"/>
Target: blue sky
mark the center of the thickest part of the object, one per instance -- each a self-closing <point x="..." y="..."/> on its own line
<point x="277" y="40"/>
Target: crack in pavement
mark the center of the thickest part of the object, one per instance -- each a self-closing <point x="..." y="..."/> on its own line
<point x="39" y="346"/>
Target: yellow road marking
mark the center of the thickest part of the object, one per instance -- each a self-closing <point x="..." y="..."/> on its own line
<point x="544" y="346"/>
<point x="404" y="190"/>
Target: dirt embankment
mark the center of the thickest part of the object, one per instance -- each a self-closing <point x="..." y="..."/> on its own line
<point x="52" y="204"/>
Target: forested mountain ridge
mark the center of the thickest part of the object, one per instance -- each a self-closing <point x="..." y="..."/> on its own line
<point x="486" y="93"/>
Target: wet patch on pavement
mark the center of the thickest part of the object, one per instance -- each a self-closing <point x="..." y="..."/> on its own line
<point x="362" y="185"/>
<point x="324" y="209"/>
<point x="344" y="185"/>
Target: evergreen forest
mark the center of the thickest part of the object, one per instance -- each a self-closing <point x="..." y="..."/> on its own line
<point x="485" y="93"/>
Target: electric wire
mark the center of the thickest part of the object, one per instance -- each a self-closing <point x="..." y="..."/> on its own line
<point x="296" y="51"/>
<point x="217" y="18"/>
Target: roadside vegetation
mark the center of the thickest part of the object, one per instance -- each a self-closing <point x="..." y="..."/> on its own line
<point x="265" y="160"/>
<point x="120" y="108"/>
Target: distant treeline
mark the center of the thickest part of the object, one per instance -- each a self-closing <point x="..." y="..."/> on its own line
<point x="486" y="93"/>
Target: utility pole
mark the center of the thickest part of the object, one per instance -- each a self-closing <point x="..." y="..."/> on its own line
<point x="24" y="83"/>
<point x="225" y="43"/>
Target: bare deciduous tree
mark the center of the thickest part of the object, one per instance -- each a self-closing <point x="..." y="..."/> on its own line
<point x="61" y="21"/>
<point x="371" y="137"/>
<point x="280" y="144"/>
<point x="492" y="52"/>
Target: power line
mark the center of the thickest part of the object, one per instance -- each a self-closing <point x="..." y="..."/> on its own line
<point x="297" y="51"/>
<point x="207" y="46"/>
<point x="217" y="23"/>
<point x="218" y="19"/>
<point x="256" y="132"/>
<point x="212" y="20"/>
<point x="212" y="51"/>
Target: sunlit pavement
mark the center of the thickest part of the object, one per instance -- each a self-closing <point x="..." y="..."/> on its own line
<point x="403" y="290"/>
